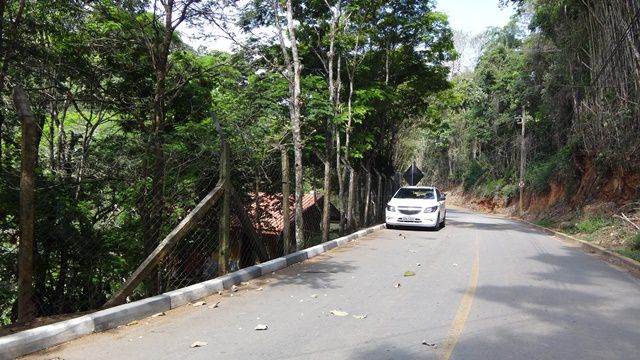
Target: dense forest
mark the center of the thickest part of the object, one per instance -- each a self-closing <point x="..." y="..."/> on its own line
<point x="126" y="119"/>
<point x="572" y="68"/>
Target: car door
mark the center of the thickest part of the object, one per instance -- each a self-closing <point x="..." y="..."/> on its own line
<point x="441" y="201"/>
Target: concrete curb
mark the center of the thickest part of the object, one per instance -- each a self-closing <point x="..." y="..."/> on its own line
<point x="32" y="340"/>
<point x="609" y="256"/>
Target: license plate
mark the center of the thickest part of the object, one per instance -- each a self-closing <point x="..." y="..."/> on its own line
<point x="410" y="219"/>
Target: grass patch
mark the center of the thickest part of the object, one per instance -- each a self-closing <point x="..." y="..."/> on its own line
<point x="545" y="223"/>
<point x="634" y="244"/>
<point x="591" y="225"/>
<point x="633" y="254"/>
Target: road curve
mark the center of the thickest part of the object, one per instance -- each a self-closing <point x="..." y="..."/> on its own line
<point x="484" y="288"/>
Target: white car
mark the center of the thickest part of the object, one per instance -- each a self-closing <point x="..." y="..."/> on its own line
<point x="416" y="206"/>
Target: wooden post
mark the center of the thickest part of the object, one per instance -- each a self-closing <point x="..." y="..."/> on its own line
<point x="225" y="219"/>
<point x="522" y="162"/>
<point x="379" y="198"/>
<point x="28" y="161"/>
<point x="150" y="263"/>
<point x="367" y="198"/>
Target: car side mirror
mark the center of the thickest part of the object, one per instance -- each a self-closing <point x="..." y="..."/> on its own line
<point x="442" y="198"/>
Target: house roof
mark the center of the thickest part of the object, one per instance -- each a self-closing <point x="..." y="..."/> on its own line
<point x="270" y="210"/>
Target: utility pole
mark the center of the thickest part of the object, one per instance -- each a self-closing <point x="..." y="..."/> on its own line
<point x="522" y="160"/>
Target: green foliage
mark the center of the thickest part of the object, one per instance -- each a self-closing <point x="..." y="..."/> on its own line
<point x="474" y="174"/>
<point x="495" y="185"/>
<point x="547" y="223"/>
<point x="591" y="225"/>
<point x="635" y="243"/>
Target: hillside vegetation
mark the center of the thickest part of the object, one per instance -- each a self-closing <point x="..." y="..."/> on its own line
<point x="573" y="68"/>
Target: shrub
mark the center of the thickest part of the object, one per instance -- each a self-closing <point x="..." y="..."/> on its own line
<point x="635" y="243"/>
<point x="589" y="226"/>
<point x="494" y="186"/>
<point x="509" y="190"/>
<point x="473" y="174"/>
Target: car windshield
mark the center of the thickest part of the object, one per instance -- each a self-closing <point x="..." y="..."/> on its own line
<point x="406" y="193"/>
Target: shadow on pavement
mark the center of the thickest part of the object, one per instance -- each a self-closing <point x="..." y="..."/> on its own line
<point x="483" y="222"/>
<point x="315" y="275"/>
<point x="565" y="314"/>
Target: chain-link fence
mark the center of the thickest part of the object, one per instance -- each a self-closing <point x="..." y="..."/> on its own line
<point x="92" y="241"/>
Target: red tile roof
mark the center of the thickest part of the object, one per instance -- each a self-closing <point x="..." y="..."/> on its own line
<point x="270" y="210"/>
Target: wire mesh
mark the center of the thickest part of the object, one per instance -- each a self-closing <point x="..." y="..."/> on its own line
<point x="90" y="239"/>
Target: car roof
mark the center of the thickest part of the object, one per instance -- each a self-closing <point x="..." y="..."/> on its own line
<point x="418" y="187"/>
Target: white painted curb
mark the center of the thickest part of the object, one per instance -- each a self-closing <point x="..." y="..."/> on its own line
<point x="32" y="340"/>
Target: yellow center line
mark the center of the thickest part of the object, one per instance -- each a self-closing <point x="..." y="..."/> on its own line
<point x="449" y="344"/>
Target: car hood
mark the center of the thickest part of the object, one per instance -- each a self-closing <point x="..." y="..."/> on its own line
<point x="413" y="202"/>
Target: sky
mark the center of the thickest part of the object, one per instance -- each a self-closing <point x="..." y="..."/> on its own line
<point x="474" y="16"/>
<point x="469" y="16"/>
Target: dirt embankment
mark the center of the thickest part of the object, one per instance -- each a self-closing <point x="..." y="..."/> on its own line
<point x="594" y="195"/>
<point x="603" y="209"/>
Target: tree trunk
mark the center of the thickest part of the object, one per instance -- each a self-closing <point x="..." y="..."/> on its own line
<point x="161" y="53"/>
<point x="295" y="71"/>
<point x="29" y="159"/>
<point x="351" y="199"/>
<point x="286" y="217"/>
<point x="326" y="214"/>
<point x="341" y="172"/>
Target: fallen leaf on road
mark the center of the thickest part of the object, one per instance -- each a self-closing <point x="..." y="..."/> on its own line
<point x="339" y="313"/>
<point x="213" y="306"/>
<point x="199" y="303"/>
<point x="409" y="273"/>
<point x="424" y="342"/>
<point x="135" y="322"/>
<point x="259" y="289"/>
<point x="360" y="317"/>
<point x="418" y="264"/>
<point x="454" y="265"/>
<point x="315" y="296"/>
<point x="412" y="251"/>
<point x="397" y="285"/>
<point x="261" y="327"/>
<point x="159" y="314"/>
<point x="234" y="288"/>
<point x="199" y="344"/>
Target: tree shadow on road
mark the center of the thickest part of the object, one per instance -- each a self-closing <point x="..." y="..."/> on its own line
<point x="320" y="273"/>
<point x="568" y="312"/>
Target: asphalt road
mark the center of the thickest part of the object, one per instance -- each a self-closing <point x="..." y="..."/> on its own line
<point x="484" y="288"/>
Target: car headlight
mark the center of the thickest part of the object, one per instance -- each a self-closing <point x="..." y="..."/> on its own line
<point x="391" y="208"/>
<point x="431" y="209"/>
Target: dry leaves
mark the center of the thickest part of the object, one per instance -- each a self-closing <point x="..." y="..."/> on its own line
<point x="199" y="344"/>
<point x="261" y="327"/>
<point x="338" y="313"/>
<point x="213" y="306"/>
<point x="409" y="273"/>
